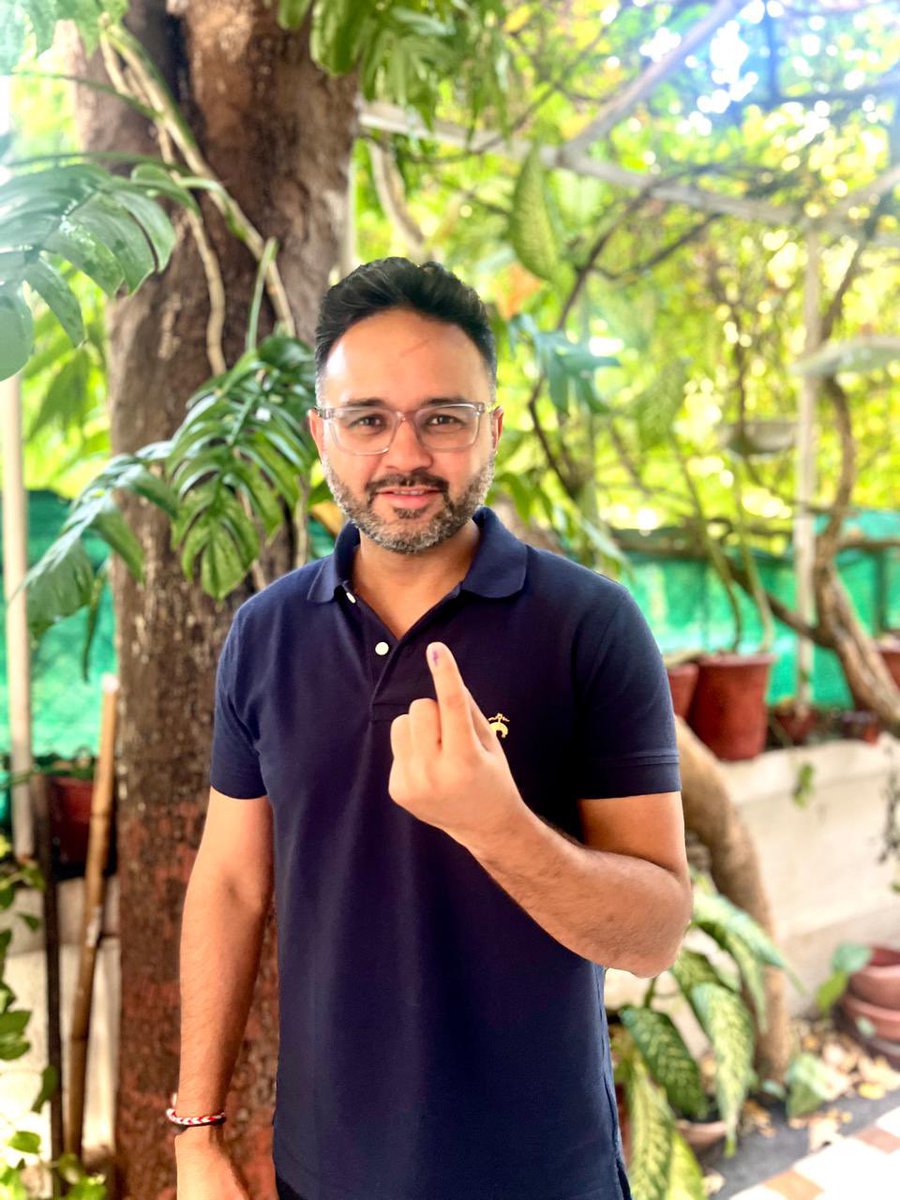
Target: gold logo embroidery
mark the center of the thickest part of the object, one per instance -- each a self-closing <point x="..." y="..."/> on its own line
<point x="499" y="724"/>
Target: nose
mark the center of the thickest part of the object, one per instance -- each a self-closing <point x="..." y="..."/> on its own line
<point x="406" y="451"/>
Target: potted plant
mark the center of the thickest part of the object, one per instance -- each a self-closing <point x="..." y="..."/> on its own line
<point x="70" y="786"/>
<point x="682" y="671"/>
<point x="666" y="1107"/>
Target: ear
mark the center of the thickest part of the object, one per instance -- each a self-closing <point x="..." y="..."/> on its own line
<point x="317" y="429"/>
<point x="496" y="425"/>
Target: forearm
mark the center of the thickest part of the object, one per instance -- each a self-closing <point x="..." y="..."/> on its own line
<point x="221" y="940"/>
<point x="610" y="908"/>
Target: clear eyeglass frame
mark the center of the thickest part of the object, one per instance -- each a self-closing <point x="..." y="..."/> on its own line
<point x="416" y="417"/>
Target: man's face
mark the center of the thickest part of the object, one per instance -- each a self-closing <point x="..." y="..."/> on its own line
<point x="404" y="360"/>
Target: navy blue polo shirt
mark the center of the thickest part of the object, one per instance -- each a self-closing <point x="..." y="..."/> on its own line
<point x="436" y="1043"/>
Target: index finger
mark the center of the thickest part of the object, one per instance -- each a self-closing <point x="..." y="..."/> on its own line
<point x="457" y="730"/>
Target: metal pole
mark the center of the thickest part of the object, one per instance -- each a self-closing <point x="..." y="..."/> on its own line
<point x="804" y="530"/>
<point x="15" y="564"/>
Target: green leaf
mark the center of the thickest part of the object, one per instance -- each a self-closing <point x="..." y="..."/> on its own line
<point x="691" y="968"/>
<point x="752" y="973"/>
<point x="119" y="536"/>
<point x="59" y="584"/>
<point x="88" y="253"/>
<point x="831" y="990"/>
<point x="49" y="1084"/>
<point x="850" y="957"/>
<point x="685" y="1173"/>
<point x="292" y="12"/>
<point x="70" y="1168"/>
<point x="153" y="221"/>
<point x="668" y="1058"/>
<point x="652" y="1131"/>
<point x="102" y="217"/>
<point x="25" y="1142"/>
<point x="221" y="567"/>
<point x="532" y="229"/>
<point x="727" y="1024"/>
<point x="16" y="333"/>
<point x="156" y="180"/>
<point x="30" y="920"/>
<point x="14" y="1022"/>
<point x="715" y="915"/>
<point x="809" y="1085"/>
<point x="58" y="296"/>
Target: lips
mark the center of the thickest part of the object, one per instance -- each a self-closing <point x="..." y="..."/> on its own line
<point x="413" y="499"/>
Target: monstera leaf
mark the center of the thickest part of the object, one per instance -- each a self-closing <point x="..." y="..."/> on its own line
<point x="106" y="227"/>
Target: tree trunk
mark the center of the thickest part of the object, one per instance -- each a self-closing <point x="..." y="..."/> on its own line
<point x="709" y="812"/>
<point x="279" y="133"/>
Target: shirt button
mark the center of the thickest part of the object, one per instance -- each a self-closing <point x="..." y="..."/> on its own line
<point x="382" y="648"/>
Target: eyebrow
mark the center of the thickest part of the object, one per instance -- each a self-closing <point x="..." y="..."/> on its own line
<point x="432" y="401"/>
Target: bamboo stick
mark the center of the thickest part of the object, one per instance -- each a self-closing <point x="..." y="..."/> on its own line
<point x="92" y="918"/>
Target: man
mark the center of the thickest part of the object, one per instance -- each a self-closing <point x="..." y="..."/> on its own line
<point x="452" y="756"/>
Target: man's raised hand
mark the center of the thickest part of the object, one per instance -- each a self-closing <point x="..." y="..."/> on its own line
<point x="449" y="768"/>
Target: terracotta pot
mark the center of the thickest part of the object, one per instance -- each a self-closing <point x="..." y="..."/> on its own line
<point x="879" y="982"/>
<point x="860" y="725"/>
<point x="682" y="682"/>
<point x="702" y="1135"/>
<point x="728" y="711"/>
<point x="886" y="1021"/>
<point x="69" y="801"/>
<point x="794" y="725"/>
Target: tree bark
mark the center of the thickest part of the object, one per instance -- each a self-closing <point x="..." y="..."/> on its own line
<point x="279" y="134"/>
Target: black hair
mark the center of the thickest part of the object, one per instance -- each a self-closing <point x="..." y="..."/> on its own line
<point x="429" y="290"/>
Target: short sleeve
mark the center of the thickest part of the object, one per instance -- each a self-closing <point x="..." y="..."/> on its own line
<point x="625" y="728"/>
<point x="234" y="770"/>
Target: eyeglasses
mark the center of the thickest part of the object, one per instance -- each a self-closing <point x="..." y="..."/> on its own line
<point x="362" y="429"/>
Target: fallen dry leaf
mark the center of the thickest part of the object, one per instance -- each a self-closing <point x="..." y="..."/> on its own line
<point x="824" y="1130"/>
<point x="713" y="1182"/>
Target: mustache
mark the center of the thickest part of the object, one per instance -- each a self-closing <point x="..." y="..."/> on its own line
<point x="385" y="485"/>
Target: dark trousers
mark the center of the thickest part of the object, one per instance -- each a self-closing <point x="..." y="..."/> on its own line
<point x="285" y="1192"/>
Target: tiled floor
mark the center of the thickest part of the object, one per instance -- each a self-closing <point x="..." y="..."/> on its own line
<point x="865" y="1166"/>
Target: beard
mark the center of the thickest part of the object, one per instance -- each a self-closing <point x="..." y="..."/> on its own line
<point x="451" y="517"/>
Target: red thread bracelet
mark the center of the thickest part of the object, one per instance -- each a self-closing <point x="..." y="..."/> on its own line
<point x="188" y="1122"/>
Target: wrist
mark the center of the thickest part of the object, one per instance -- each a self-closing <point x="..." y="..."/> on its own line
<point x="198" y="1137"/>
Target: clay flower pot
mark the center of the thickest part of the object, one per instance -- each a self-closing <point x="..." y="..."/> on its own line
<point x="879" y="981"/>
<point x="702" y="1135"/>
<point x="728" y="711"/>
<point x="682" y="682"/>
<point x="792" y="724"/>
<point x="886" y="1021"/>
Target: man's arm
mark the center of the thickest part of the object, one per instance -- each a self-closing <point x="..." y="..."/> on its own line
<point x="225" y="911"/>
<point x="623" y="899"/>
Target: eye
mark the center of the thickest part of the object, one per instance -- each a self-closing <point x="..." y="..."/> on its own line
<point x="367" y="421"/>
<point x="443" y="419"/>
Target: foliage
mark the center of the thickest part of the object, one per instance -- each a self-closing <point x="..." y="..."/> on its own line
<point x="236" y="460"/>
<point x="847" y="958"/>
<point x="37" y="19"/>
<point x="17" y="876"/>
<point x="109" y="228"/>
<point x="661" y="1077"/>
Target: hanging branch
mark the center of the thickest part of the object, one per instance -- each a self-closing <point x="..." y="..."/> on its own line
<point x="389" y="187"/>
<point x="215" y="286"/>
<point x="171" y="119"/>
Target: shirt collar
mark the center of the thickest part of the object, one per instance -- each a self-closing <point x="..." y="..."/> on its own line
<point x="497" y="570"/>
